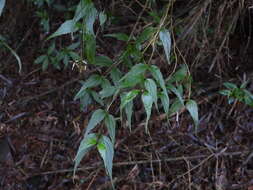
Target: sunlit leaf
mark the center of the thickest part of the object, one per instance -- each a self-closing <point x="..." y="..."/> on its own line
<point x="192" y="107"/>
<point x="111" y="125"/>
<point x="85" y="145"/>
<point x="96" y="118"/>
<point x="118" y="36"/>
<point x="166" y="41"/>
<point x="151" y="87"/>
<point x="147" y="100"/>
<point x="128" y="98"/>
<point x="105" y="148"/>
<point x="2" y="4"/>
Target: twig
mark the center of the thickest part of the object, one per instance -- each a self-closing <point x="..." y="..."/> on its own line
<point x="118" y="164"/>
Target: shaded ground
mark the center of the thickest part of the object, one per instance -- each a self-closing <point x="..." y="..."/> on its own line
<point x="41" y="128"/>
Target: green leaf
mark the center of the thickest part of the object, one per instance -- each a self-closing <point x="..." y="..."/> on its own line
<point x="179" y="75"/>
<point x="105" y="148"/>
<point x="96" y="97"/>
<point x="166" y="41"/>
<point x="85" y="100"/>
<point x="145" y="35"/>
<point x="90" y="48"/>
<point x="86" y="11"/>
<point x="176" y="92"/>
<point x="165" y="102"/>
<point x="102" y="18"/>
<point x="65" y="28"/>
<point x="129" y="112"/>
<point x="229" y="85"/>
<point x="93" y="81"/>
<point x="85" y="145"/>
<point x="131" y="81"/>
<point x="128" y="98"/>
<point x="156" y="73"/>
<point x="115" y="75"/>
<point x="176" y="107"/>
<point x="192" y="107"/>
<point x="2" y="4"/>
<point x="103" y="61"/>
<point x="151" y="87"/>
<point x="96" y="118"/>
<point x="13" y="53"/>
<point x="225" y="92"/>
<point x="147" y="100"/>
<point x="111" y="125"/>
<point x="40" y="59"/>
<point x="118" y="36"/>
<point x="136" y="70"/>
<point x="107" y="91"/>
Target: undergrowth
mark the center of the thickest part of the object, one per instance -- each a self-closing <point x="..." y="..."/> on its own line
<point x="122" y="80"/>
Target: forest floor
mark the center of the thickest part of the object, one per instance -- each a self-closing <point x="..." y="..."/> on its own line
<point x="41" y="127"/>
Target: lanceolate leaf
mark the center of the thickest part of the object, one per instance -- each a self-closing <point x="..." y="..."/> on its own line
<point x="192" y="107"/>
<point x="13" y="53"/>
<point x="175" y="107"/>
<point x="166" y="41"/>
<point x="65" y="28"/>
<point x="156" y="73"/>
<point x="129" y="113"/>
<point x="96" y="97"/>
<point x="103" y="61"/>
<point x="111" y="125"/>
<point x="84" y="147"/>
<point x="118" y="36"/>
<point x="150" y="86"/>
<point x="2" y="3"/>
<point x="136" y="70"/>
<point x="147" y="100"/>
<point x="128" y="98"/>
<point x="93" y="81"/>
<point x="105" y="148"/>
<point x="145" y="35"/>
<point x="90" y="48"/>
<point x="115" y="75"/>
<point x="96" y="118"/>
<point x="102" y="18"/>
<point x="176" y="92"/>
<point x="179" y="75"/>
<point x="165" y="102"/>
